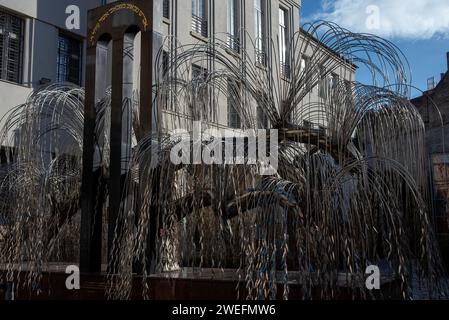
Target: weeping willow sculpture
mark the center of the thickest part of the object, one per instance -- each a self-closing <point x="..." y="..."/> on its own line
<point x="349" y="194"/>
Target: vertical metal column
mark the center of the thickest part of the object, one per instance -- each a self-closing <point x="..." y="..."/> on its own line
<point x="115" y="172"/>
<point x="113" y="19"/>
<point x="90" y="238"/>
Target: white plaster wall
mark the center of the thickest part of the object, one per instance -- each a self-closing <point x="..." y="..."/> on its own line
<point x="51" y="11"/>
<point x="43" y="20"/>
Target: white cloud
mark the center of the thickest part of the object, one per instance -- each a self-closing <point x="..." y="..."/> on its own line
<point x="408" y="19"/>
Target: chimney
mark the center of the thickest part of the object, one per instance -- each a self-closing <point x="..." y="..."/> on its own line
<point x="431" y="83"/>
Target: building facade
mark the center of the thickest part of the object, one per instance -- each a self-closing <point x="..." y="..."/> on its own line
<point x="433" y="106"/>
<point x="36" y="48"/>
<point x="261" y="29"/>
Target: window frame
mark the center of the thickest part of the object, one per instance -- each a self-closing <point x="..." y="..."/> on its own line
<point x="284" y="35"/>
<point x="166" y="9"/>
<point x="201" y="71"/>
<point x="199" y="15"/>
<point x="305" y="69"/>
<point x="233" y="24"/>
<point x="233" y="114"/>
<point x="322" y="83"/>
<point x="260" y="26"/>
<point x="72" y="39"/>
<point x="5" y="47"/>
<point x="262" y="118"/>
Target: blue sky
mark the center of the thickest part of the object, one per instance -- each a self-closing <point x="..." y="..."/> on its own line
<point x="420" y="28"/>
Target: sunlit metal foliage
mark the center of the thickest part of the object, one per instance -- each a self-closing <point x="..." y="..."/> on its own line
<point x="40" y="185"/>
<point x="350" y="191"/>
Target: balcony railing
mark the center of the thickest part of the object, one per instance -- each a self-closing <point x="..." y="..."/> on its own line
<point x="261" y="57"/>
<point x="199" y="25"/>
<point x="285" y="70"/>
<point x="233" y="42"/>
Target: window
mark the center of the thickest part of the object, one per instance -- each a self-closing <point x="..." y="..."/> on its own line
<point x="305" y="63"/>
<point x="259" y="19"/>
<point x="322" y="84"/>
<point x="11" y="35"/>
<point x="165" y="63"/>
<point x="327" y="84"/>
<point x="199" y="17"/>
<point x="348" y="85"/>
<point x="334" y="81"/>
<point x="199" y="75"/>
<point x="283" y="45"/>
<point x="166" y="9"/>
<point x="199" y="78"/>
<point x="304" y="69"/>
<point x="233" y="25"/>
<point x="234" y="120"/>
<point x="262" y="118"/>
<point x="69" y="60"/>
